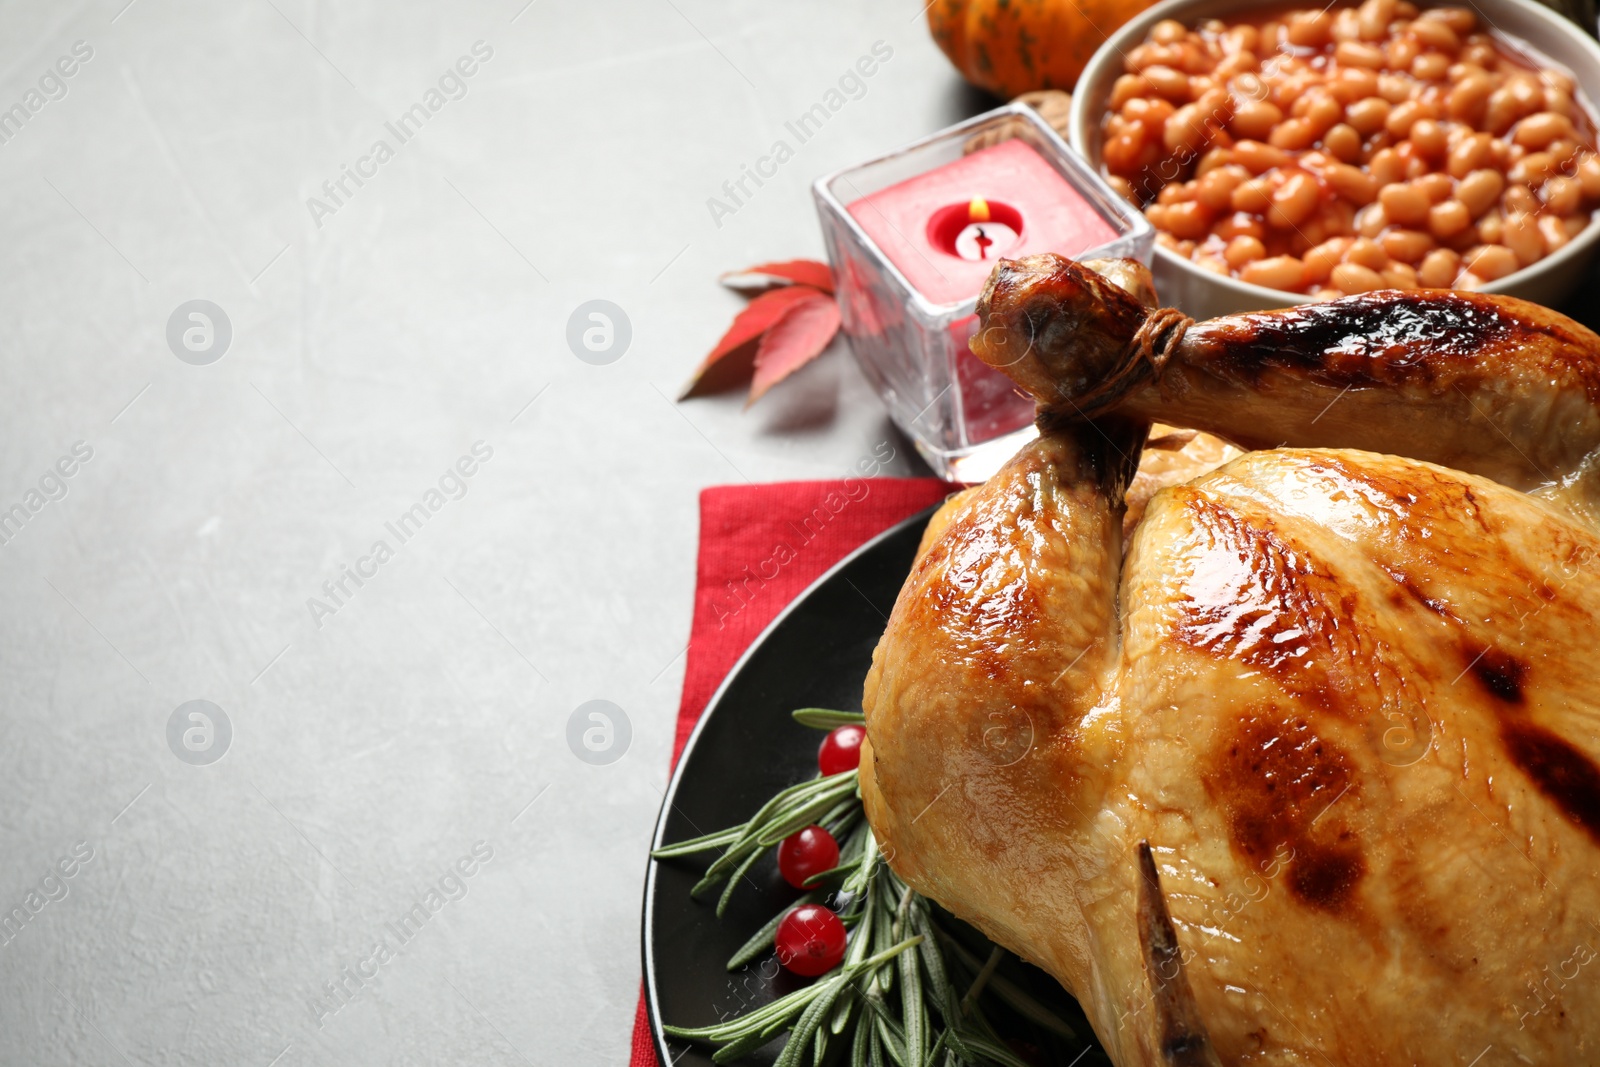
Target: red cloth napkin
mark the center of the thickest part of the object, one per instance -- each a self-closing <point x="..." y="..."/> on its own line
<point x="760" y="547"/>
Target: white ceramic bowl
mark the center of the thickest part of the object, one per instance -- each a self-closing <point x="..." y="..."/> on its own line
<point x="1203" y="294"/>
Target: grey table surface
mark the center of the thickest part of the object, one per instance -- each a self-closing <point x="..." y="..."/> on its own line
<point x="164" y="909"/>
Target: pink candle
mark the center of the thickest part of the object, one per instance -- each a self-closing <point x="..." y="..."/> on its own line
<point x="945" y="229"/>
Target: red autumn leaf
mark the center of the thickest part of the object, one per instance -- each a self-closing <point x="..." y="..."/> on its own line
<point x="800" y="271"/>
<point x="799" y="336"/>
<point x="734" y="353"/>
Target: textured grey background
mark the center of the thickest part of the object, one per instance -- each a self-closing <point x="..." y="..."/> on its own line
<point x="369" y="754"/>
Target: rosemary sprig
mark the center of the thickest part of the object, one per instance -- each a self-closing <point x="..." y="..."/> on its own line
<point x="828" y="719"/>
<point x="939" y="1016"/>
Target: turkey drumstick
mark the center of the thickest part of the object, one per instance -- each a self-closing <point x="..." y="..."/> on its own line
<point x="1485" y="384"/>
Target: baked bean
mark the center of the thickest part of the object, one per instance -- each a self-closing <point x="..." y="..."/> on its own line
<point x="1294" y="135"/>
<point x="1374" y="16"/>
<point x="1430" y="67"/>
<point x="1399" y="276"/>
<point x="1521" y="235"/>
<point x="1242" y="250"/>
<point x="1435" y="186"/>
<point x="1175" y="193"/>
<point x="1310" y="29"/>
<point x="1408" y="246"/>
<point x="1480" y="189"/>
<point x="1554" y="232"/>
<point x="1352" y="183"/>
<point x="1215" y="189"/>
<point x="1401" y="52"/>
<point x="1320" y="109"/>
<point x="1560" y="103"/>
<point x="1150" y="112"/>
<point x="1366" y="252"/>
<point x="1490" y="261"/>
<point x="1468" y="155"/>
<point x="1402" y="116"/>
<point x="1564" y="150"/>
<point x="1255" y="119"/>
<point x="1387" y="166"/>
<point x="1368" y="115"/>
<point x="1358" y="54"/>
<point x="1294" y="201"/>
<point x="1343" y="141"/>
<point x="1346" y="27"/>
<point x="1354" y="278"/>
<point x="1352" y="84"/>
<point x="1448" y="218"/>
<point x="1279" y="272"/>
<point x="1169" y="31"/>
<point x="1394" y="88"/>
<point x="1371" y="220"/>
<point x="1589" y="176"/>
<point x="1258" y="158"/>
<point x="1321" y="259"/>
<point x="1562" y="195"/>
<point x="1313" y="231"/>
<point x="1215" y="103"/>
<point x="1526" y="89"/>
<point x="1239" y="224"/>
<point x="1429" y="138"/>
<point x="1519" y="199"/>
<point x="1126" y="88"/>
<point x="1337" y="217"/>
<point x="1504" y="108"/>
<point x="1436" y="34"/>
<point x="1241" y="38"/>
<point x="1188" y="220"/>
<point x="1460" y="19"/>
<point x="1533" y="168"/>
<point x="1254" y="195"/>
<point x="1234" y="66"/>
<point x="1213" y="158"/>
<point x="1404" y="204"/>
<point x="1170" y="83"/>
<point x="1539" y="129"/>
<point x="1185" y="132"/>
<point x="1470" y="98"/>
<point x="1214" y="264"/>
<point x="1491" y="228"/>
<point x="1439" y="268"/>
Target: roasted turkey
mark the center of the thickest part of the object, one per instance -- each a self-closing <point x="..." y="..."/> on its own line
<point x="1302" y="767"/>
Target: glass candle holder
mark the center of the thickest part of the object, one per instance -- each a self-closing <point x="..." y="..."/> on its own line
<point x="912" y="237"/>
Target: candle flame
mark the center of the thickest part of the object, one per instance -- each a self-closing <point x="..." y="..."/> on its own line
<point x="978" y="210"/>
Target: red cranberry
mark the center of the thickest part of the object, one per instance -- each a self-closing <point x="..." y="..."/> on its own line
<point x="810" y="940"/>
<point x="841" y="749"/>
<point x="805" y="853"/>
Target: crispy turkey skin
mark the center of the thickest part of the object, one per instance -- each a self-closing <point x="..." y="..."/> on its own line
<point x="1343" y="689"/>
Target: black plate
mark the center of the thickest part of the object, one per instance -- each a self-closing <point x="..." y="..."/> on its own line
<point x="746" y="747"/>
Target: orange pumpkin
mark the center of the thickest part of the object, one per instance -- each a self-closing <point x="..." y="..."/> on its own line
<point x="1011" y="47"/>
